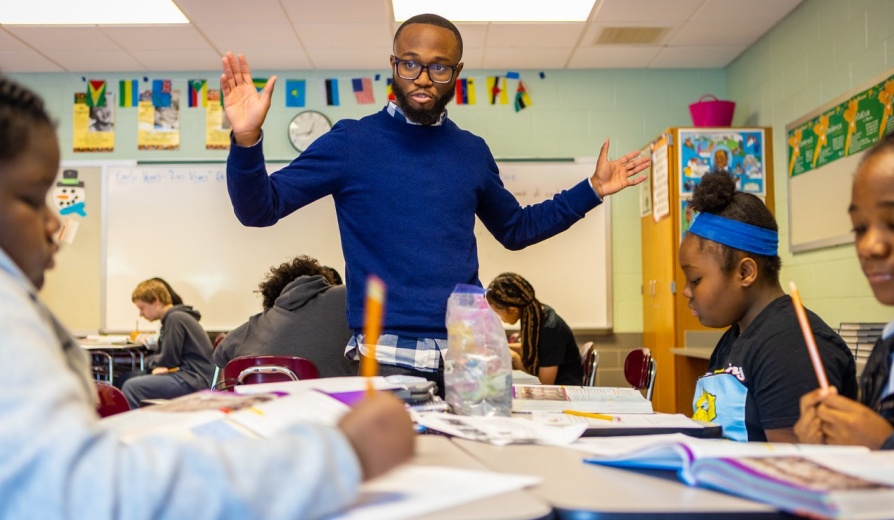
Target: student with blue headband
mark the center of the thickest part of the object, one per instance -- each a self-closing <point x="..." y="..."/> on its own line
<point x="760" y="368"/>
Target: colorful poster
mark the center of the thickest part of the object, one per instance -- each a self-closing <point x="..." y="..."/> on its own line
<point x="844" y="130"/>
<point x="737" y="151"/>
<point x="660" y="180"/>
<point x="217" y="128"/>
<point x="93" y="127"/>
<point x="158" y="128"/>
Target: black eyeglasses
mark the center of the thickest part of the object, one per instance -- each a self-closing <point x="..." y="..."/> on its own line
<point x="410" y="69"/>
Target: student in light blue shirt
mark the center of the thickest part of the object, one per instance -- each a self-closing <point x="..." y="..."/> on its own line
<point x="56" y="459"/>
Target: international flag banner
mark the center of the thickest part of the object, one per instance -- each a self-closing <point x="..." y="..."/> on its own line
<point x="129" y="93"/>
<point x="198" y="93"/>
<point x="329" y="92"/>
<point x="496" y="88"/>
<point x="513" y="75"/>
<point x="96" y="93"/>
<point x="522" y="99"/>
<point x="296" y="90"/>
<point x="363" y="90"/>
<point x="161" y="93"/>
<point x="389" y="90"/>
<point x="465" y="91"/>
<point x="259" y="83"/>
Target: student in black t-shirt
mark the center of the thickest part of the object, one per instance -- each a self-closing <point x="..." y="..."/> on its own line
<point x="826" y="416"/>
<point x="761" y="367"/>
<point x="548" y="349"/>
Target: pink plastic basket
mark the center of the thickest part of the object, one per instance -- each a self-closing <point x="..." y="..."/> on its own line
<point x="710" y="111"/>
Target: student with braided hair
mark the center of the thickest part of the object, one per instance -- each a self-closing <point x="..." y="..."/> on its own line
<point x="548" y="348"/>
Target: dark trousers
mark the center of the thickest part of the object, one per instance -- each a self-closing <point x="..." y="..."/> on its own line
<point x="159" y="386"/>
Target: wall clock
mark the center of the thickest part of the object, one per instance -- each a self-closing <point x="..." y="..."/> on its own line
<point x="306" y="127"/>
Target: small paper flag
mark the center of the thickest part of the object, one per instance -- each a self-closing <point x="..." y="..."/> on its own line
<point x="296" y="89"/>
<point x="259" y="83"/>
<point x="129" y="93"/>
<point x="496" y="87"/>
<point x="389" y="90"/>
<point x="161" y="93"/>
<point x="329" y="92"/>
<point x="96" y="93"/>
<point x="465" y="91"/>
<point x="198" y="93"/>
<point x="363" y="90"/>
<point x="522" y="99"/>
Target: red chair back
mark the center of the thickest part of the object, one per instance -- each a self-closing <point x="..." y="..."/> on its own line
<point x="250" y="370"/>
<point x="111" y="400"/>
<point x="639" y="370"/>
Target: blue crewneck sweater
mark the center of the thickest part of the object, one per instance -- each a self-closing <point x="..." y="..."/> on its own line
<point x="406" y="197"/>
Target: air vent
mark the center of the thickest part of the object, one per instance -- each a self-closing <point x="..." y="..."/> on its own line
<point x="631" y="35"/>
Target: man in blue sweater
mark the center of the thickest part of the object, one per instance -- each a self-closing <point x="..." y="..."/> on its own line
<point x="407" y="184"/>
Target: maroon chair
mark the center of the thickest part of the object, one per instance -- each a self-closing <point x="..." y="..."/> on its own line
<point x="111" y="400"/>
<point x="639" y="370"/>
<point x="251" y="370"/>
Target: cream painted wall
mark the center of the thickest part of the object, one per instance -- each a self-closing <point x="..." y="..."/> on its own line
<point x="572" y="113"/>
<point x="822" y="50"/>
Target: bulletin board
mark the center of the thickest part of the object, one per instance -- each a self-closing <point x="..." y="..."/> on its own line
<point x="176" y="222"/>
<point x="824" y="149"/>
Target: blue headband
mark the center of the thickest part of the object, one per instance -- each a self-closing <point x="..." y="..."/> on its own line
<point x="735" y="234"/>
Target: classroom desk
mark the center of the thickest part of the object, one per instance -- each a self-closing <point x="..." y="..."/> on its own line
<point x="437" y="450"/>
<point x="109" y="351"/>
<point x="580" y="491"/>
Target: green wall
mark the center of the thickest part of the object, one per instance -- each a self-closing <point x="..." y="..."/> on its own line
<point x="822" y="50"/>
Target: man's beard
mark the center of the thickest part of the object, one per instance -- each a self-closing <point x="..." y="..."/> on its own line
<point x="426" y="117"/>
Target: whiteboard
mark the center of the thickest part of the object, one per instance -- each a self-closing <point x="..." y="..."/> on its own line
<point x="176" y="221"/>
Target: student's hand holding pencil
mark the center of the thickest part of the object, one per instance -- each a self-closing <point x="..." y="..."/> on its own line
<point x="381" y="432"/>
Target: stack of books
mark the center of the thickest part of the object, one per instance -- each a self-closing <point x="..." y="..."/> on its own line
<point x="860" y="338"/>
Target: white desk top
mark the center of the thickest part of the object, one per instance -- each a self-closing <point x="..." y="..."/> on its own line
<point x="579" y="490"/>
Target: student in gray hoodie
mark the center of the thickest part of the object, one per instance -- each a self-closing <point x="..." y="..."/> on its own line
<point x="183" y="363"/>
<point x="304" y="315"/>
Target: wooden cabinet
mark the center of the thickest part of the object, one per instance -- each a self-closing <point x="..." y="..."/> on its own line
<point x="690" y="152"/>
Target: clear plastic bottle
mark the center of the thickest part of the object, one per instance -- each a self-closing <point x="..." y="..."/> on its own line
<point x="478" y="368"/>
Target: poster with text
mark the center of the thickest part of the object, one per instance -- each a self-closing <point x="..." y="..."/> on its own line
<point x="737" y="151"/>
<point x="158" y="128"/>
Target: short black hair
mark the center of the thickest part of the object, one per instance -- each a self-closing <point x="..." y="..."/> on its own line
<point x="21" y="110"/>
<point x="432" y="19"/>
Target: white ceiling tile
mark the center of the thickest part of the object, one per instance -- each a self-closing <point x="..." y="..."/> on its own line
<point x="343" y="35"/>
<point x="695" y="57"/>
<point x="251" y="36"/>
<point x="535" y="58"/>
<point x="339" y="11"/>
<point x="613" y="57"/>
<point x="636" y="11"/>
<point x="276" y="59"/>
<point x="734" y="11"/>
<point x="232" y="11"/>
<point x="95" y="61"/>
<point x="473" y="58"/>
<point x="171" y="37"/>
<point x="10" y="43"/>
<point x="63" y="38"/>
<point x="535" y="35"/>
<point x="26" y="61"/>
<point x="474" y="34"/>
<point x="743" y="32"/>
<point x="184" y="59"/>
<point x="345" y="59"/>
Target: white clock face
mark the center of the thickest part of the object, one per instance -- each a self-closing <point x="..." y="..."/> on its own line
<point x="306" y="127"/>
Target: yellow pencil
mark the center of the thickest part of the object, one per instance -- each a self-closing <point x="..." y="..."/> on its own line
<point x="808" y="337"/>
<point x="591" y="415"/>
<point x="372" y="327"/>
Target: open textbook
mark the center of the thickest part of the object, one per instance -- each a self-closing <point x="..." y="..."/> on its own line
<point x="820" y="481"/>
<point x="557" y="398"/>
